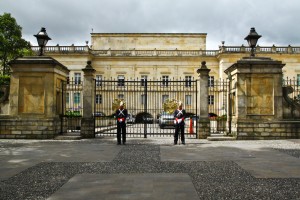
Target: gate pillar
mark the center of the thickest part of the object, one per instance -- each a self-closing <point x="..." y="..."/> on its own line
<point x="256" y="99"/>
<point x="35" y="99"/>
<point x="87" y="121"/>
<point x="204" y="123"/>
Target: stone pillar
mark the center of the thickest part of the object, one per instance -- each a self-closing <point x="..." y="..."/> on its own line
<point x="35" y="98"/>
<point x="256" y="90"/>
<point x="87" y="121"/>
<point x="204" y="123"/>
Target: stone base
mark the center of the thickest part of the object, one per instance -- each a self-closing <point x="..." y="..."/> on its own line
<point x="203" y="129"/>
<point x="266" y="130"/>
<point x="16" y="128"/>
<point x="87" y="128"/>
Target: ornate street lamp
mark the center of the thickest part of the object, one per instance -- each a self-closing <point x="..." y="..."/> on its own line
<point x="42" y="39"/>
<point x="252" y="39"/>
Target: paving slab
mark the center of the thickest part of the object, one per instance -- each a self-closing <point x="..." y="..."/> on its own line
<point x="15" y="160"/>
<point x="128" y="186"/>
<point x="259" y="161"/>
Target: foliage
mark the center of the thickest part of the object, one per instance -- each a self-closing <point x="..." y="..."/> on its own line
<point x="11" y="43"/>
<point x="75" y="113"/>
<point x="4" y="80"/>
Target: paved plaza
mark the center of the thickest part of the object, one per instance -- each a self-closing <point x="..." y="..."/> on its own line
<point x="149" y="168"/>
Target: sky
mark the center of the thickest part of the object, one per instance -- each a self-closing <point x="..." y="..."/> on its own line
<point x="71" y="21"/>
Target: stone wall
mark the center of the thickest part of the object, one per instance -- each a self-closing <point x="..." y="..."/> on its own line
<point x="14" y="128"/>
<point x="266" y="130"/>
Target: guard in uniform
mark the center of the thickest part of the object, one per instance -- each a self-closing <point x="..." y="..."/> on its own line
<point x="121" y="115"/>
<point x="179" y="116"/>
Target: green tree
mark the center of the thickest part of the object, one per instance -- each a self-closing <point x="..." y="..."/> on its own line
<point x="12" y="45"/>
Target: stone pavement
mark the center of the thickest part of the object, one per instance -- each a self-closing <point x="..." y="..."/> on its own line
<point x="149" y="168"/>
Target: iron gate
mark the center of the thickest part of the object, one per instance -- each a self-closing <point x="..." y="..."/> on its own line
<point x="144" y="101"/>
<point x="217" y="105"/>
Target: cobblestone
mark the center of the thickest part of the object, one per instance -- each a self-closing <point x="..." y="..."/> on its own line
<point x="211" y="179"/>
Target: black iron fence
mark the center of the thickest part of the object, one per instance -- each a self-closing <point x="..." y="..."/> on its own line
<point x="144" y="99"/>
<point x="72" y="106"/>
<point x="217" y="105"/>
<point x="294" y="85"/>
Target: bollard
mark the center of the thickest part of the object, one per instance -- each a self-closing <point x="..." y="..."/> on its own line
<point x="191" y="126"/>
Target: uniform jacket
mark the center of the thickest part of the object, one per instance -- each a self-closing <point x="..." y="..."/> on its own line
<point x="121" y="115"/>
<point x="179" y="116"/>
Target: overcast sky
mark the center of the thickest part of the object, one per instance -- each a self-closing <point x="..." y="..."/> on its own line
<point x="71" y="21"/>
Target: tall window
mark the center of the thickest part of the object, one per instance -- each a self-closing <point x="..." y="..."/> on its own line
<point x="143" y="100"/>
<point x="211" y="99"/>
<point x="98" y="98"/>
<point x="165" y="80"/>
<point x="298" y="79"/>
<point x="211" y="81"/>
<point x="98" y="80"/>
<point x="121" y="80"/>
<point x="188" y="100"/>
<point x="188" y="81"/>
<point x="68" y="98"/>
<point x="164" y="97"/>
<point x="77" y="77"/>
<point x="76" y="98"/>
<point x="143" y="80"/>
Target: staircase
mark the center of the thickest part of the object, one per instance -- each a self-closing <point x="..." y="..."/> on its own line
<point x="220" y="137"/>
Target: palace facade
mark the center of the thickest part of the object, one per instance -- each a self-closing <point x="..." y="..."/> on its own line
<point x="159" y="56"/>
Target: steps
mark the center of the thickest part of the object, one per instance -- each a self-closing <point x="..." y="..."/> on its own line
<point x="68" y="136"/>
<point x="220" y="137"/>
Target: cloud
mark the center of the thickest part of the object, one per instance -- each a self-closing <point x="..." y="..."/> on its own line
<point x="71" y="22"/>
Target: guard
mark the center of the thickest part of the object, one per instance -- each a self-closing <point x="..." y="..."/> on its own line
<point x="179" y="116"/>
<point x="121" y="115"/>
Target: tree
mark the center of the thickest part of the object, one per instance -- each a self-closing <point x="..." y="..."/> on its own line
<point x="12" y="45"/>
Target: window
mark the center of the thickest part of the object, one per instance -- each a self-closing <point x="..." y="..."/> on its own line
<point x="77" y="98"/>
<point x="68" y="98"/>
<point x="98" y="98"/>
<point x="211" y="99"/>
<point x="164" y="98"/>
<point x="143" y="99"/>
<point x="121" y="80"/>
<point x="121" y="96"/>
<point x="188" y="81"/>
<point x="211" y="81"/>
<point x="98" y="80"/>
<point x="143" y="80"/>
<point x="68" y="80"/>
<point x="77" y="78"/>
<point x="165" y="80"/>
<point x="188" y="100"/>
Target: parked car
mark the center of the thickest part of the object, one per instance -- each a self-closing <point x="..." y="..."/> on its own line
<point x="98" y="114"/>
<point x="166" y="119"/>
<point x="130" y="119"/>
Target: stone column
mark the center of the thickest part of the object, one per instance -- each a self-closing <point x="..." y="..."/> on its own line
<point x="204" y="123"/>
<point x="257" y="98"/>
<point x="35" y="98"/>
<point x="87" y="121"/>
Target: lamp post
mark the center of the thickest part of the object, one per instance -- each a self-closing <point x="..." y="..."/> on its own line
<point x="42" y="39"/>
<point x="252" y="39"/>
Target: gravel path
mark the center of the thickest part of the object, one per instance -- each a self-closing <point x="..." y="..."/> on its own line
<point x="212" y="180"/>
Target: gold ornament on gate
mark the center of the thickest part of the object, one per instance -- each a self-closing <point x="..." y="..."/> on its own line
<point x="170" y="105"/>
<point x="116" y="104"/>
